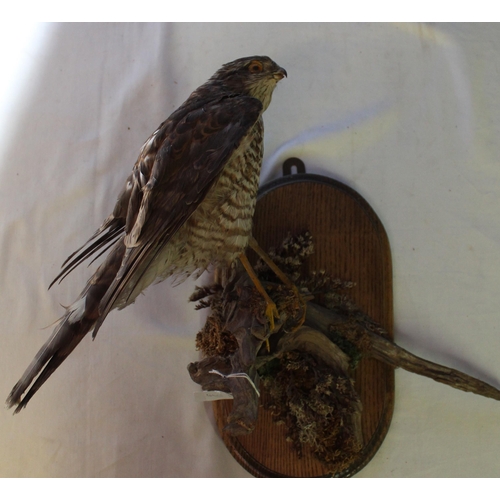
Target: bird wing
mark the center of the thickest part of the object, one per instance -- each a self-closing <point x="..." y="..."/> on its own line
<point x="194" y="146"/>
<point x="116" y="224"/>
<point x="127" y="208"/>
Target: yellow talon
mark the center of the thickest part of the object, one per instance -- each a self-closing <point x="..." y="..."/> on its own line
<point x="268" y="347"/>
<point x="271" y="309"/>
<point x="283" y="277"/>
<point x="271" y="313"/>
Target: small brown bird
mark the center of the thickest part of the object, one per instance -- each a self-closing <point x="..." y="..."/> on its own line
<point x="187" y="204"/>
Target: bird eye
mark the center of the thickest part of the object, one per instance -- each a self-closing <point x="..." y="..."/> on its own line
<point x="255" y="67"/>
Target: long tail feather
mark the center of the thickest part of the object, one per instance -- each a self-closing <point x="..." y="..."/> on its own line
<point x="65" y="338"/>
<point x="73" y="326"/>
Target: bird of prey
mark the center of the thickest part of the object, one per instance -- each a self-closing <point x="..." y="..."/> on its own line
<point x="187" y="205"/>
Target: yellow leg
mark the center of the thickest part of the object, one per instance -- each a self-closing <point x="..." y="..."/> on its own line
<point x="271" y="309"/>
<point x="280" y="274"/>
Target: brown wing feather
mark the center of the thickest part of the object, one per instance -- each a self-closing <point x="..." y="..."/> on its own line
<point x="128" y="202"/>
<point x="189" y="161"/>
<point x="109" y="232"/>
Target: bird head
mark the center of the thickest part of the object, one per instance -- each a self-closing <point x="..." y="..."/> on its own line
<point x="256" y="76"/>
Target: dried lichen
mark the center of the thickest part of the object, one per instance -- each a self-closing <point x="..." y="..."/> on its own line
<point x="213" y="339"/>
<point x="321" y="283"/>
<point x="317" y="407"/>
<point x="289" y="257"/>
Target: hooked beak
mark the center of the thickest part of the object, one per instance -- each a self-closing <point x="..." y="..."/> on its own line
<point x="280" y="74"/>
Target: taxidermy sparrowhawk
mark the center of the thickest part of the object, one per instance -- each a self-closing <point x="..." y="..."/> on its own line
<point x="187" y="204"/>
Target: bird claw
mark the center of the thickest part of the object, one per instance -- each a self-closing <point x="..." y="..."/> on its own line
<point x="271" y="314"/>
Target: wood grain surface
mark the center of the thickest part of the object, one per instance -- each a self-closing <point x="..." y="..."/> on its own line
<point x="351" y="244"/>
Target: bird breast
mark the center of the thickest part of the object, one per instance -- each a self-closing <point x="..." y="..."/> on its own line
<point x="219" y="229"/>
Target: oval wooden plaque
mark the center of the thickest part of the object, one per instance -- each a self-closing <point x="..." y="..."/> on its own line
<point x="351" y="244"/>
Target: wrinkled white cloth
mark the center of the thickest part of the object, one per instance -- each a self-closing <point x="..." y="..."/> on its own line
<point x="408" y="115"/>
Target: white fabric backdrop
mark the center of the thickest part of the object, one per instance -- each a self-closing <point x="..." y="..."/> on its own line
<point x="408" y="115"/>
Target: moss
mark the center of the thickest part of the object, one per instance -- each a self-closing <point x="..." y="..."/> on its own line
<point x="213" y="339"/>
<point x="317" y="408"/>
